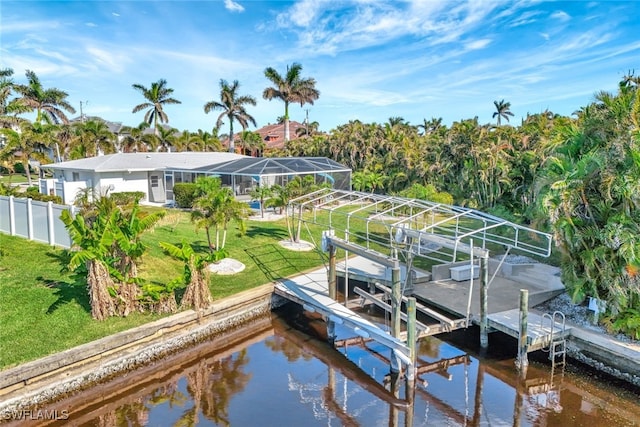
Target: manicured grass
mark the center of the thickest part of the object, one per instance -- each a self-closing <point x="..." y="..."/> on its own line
<point x="14" y="179"/>
<point x="42" y="310"/>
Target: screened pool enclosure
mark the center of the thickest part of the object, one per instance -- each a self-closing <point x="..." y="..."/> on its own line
<point x="245" y="174"/>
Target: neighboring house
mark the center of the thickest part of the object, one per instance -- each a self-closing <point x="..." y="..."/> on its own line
<point x="272" y="136"/>
<point x="126" y="172"/>
<point x="155" y="174"/>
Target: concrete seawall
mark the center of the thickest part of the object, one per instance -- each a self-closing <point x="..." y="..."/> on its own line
<point x="60" y="374"/>
<point x="606" y="354"/>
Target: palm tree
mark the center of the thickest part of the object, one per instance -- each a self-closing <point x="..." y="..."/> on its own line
<point x="137" y="140"/>
<point x="502" y="110"/>
<point x="291" y="88"/>
<point x="6" y="87"/>
<point x="48" y="103"/>
<point x="251" y="143"/>
<point x="233" y="107"/>
<point x="95" y="138"/>
<point x="30" y="142"/>
<point x="157" y="96"/>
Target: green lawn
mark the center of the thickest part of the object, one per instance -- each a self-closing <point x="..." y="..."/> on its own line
<point x="42" y="311"/>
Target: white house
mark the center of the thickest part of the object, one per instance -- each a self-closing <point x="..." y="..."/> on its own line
<point x="155" y="174"/>
<point x="126" y="172"/>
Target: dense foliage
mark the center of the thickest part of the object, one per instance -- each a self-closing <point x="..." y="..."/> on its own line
<point x="577" y="176"/>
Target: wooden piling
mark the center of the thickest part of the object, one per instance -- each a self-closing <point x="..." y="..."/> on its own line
<point x="396" y="302"/>
<point x="484" y="288"/>
<point x="411" y="337"/>
<point x="333" y="287"/>
<point x="522" y="361"/>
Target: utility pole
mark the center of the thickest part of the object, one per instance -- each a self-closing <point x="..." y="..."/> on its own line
<point x="306" y="123"/>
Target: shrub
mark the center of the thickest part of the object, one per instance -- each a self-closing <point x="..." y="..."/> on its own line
<point x="184" y="194"/>
<point x="125" y="198"/>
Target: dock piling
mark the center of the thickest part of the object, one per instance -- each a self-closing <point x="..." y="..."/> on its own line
<point x="522" y="362"/>
<point x="484" y="288"/>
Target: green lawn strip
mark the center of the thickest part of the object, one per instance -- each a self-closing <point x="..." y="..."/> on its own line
<point x="42" y="311"/>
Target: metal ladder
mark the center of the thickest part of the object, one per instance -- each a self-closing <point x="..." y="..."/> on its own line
<point x="557" y="341"/>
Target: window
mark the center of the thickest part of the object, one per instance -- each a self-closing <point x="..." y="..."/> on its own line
<point x="75" y="176"/>
<point x="154" y="181"/>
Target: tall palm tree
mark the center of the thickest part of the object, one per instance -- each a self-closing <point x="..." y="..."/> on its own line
<point x="233" y="107"/>
<point x="290" y="88"/>
<point x="157" y="96"/>
<point x="502" y="110"/>
<point x="49" y="104"/>
<point x="95" y="138"/>
<point x="6" y="87"/>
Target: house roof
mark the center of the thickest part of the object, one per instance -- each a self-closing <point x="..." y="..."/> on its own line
<point x="273" y="135"/>
<point x="255" y="166"/>
<point x="147" y="161"/>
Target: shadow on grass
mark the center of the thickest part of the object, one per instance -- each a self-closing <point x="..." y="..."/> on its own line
<point x="276" y="262"/>
<point x="67" y="292"/>
<point x="276" y="233"/>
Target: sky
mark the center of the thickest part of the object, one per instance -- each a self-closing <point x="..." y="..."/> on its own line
<point x="371" y="59"/>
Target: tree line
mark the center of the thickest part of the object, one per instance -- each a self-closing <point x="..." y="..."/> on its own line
<point x="576" y="176"/>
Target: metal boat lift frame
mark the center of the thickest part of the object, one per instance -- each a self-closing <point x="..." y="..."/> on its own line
<point x="393" y="229"/>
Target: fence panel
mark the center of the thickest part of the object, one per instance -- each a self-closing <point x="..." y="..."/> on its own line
<point x="21" y="212"/>
<point x="39" y="221"/>
<point x="5" y="217"/>
<point x="61" y="235"/>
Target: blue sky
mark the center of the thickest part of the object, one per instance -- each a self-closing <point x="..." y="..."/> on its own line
<point x="371" y="59"/>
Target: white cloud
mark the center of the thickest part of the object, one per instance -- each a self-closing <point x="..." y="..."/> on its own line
<point x="115" y="14"/>
<point x="300" y="14"/>
<point x="561" y="16"/>
<point x="232" y="6"/>
<point x="90" y="24"/>
<point x="477" y="44"/>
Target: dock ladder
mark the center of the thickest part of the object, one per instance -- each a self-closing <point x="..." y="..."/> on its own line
<point x="555" y="324"/>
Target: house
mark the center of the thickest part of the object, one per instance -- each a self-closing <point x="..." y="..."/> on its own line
<point x="272" y="136"/>
<point x="122" y="172"/>
<point x="155" y="174"/>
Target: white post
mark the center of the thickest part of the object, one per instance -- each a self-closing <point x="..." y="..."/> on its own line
<point x="30" y="219"/>
<point x="12" y="216"/>
<point x="52" y="236"/>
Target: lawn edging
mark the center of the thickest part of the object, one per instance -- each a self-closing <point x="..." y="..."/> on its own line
<point x="51" y="377"/>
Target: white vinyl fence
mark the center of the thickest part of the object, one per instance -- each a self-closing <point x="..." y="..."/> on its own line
<point x="33" y="220"/>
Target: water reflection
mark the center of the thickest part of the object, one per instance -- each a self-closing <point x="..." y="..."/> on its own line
<point x="280" y="371"/>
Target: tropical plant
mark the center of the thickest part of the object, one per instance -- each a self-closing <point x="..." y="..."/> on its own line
<point x="215" y="207"/>
<point x="251" y="143"/>
<point x="195" y="275"/>
<point x="157" y="96"/>
<point x="589" y="191"/>
<point x="503" y="110"/>
<point x="92" y="138"/>
<point x="290" y="88"/>
<point x="49" y="104"/>
<point x="137" y="140"/>
<point x="108" y="245"/>
<point x="261" y="193"/>
<point x="32" y="142"/>
<point x="233" y="108"/>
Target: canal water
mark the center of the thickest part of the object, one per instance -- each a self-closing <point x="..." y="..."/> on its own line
<point x="279" y="371"/>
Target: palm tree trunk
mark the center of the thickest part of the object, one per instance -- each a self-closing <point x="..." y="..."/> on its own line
<point x="286" y="121"/>
<point x="232" y="147"/>
<point x="98" y="281"/>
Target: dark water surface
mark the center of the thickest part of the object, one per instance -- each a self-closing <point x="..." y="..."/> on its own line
<point x="278" y="371"/>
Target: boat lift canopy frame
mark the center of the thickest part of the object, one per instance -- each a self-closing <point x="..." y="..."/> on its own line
<point x="420" y="228"/>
